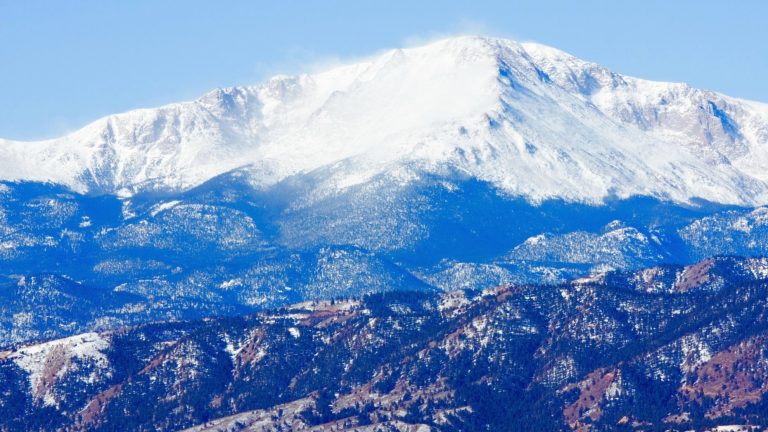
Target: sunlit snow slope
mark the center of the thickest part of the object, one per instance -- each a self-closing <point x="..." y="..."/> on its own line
<point x="532" y="120"/>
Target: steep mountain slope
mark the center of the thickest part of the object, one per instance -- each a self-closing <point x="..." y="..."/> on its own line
<point x="714" y="127"/>
<point x="664" y="347"/>
<point x="531" y="120"/>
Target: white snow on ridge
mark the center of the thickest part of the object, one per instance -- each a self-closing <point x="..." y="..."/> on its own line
<point x="47" y="362"/>
<point x="156" y="209"/>
<point x="533" y="120"/>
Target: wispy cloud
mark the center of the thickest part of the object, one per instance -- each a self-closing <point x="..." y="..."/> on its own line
<point x="298" y="60"/>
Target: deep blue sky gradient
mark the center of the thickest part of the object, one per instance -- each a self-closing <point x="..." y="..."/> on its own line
<point x="66" y="63"/>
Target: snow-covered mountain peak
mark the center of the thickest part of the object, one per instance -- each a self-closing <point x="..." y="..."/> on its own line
<point x="533" y="120"/>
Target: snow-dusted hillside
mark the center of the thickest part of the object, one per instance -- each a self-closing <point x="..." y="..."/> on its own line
<point x="669" y="347"/>
<point x="530" y="119"/>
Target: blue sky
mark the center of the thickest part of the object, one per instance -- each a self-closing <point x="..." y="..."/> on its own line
<point x="64" y="64"/>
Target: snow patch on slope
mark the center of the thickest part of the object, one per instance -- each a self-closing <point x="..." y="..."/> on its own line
<point x="49" y="362"/>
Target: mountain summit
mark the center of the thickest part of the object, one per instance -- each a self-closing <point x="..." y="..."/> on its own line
<point x="531" y="120"/>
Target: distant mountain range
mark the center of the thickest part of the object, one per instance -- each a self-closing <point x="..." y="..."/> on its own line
<point x="73" y="263"/>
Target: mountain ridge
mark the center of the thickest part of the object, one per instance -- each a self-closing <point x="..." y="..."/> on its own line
<point x="535" y="121"/>
<point x="662" y="347"/>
